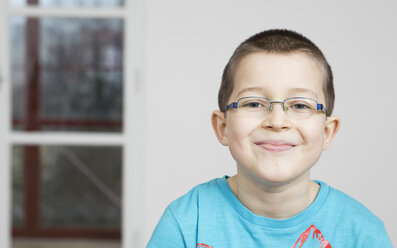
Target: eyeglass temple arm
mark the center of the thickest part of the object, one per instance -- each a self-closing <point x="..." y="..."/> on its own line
<point x="320" y="107"/>
<point x="233" y="105"/>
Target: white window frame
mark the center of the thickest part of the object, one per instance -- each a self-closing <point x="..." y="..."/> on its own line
<point x="131" y="139"/>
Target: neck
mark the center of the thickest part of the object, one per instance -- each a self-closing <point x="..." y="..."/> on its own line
<point x="276" y="201"/>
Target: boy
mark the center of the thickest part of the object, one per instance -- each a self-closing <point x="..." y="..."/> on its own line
<point x="275" y="101"/>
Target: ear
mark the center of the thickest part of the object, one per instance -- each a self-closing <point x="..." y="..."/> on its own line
<point x="331" y="128"/>
<point x="218" y="120"/>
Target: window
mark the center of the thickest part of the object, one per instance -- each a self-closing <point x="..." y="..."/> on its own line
<point x="66" y="191"/>
<point x="72" y="122"/>
<point x="67" y="74"/>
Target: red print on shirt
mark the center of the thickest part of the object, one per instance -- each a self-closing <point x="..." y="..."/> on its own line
<point x="201" y="245"/>
<point x="323" y="243"/>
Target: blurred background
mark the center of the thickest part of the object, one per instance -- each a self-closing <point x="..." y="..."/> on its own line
<point x="105" y="109"/>
<point x="65" y="63"/>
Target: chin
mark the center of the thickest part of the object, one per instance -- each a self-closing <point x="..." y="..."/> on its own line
<point x="281" y="177"/>
<point x="273" y="179"/>
<point x="276" y="180"/>
<point x="277" y="174"/>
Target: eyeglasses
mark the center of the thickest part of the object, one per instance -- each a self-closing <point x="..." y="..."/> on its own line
<point x="296" y="107"/>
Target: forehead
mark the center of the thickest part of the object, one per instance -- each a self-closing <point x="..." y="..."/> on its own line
<point x="278" y="76"/>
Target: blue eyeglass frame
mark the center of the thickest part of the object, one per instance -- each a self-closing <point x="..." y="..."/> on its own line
<point x="234" y="105"/>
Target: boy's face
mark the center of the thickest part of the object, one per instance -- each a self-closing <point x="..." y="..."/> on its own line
<point x="276" y="148"/>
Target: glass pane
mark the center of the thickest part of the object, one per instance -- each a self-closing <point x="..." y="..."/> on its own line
<point x="80" y="187"/>
<point x="17" y="187"/>
<point x="18" y="70"/>
<point x="68" y="3"/>
<point x="67" y="74"/>
<point x="72" y="187"/>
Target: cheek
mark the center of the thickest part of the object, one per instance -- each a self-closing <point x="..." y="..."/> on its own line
<point x="313" y="136"/>
<point x="239" y="131"/>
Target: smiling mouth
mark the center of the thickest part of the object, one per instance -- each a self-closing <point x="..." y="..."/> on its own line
<point x="275" y="146"/>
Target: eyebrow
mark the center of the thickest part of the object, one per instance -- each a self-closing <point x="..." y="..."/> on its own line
<point x="290" y="91"/>
<point x="250" y="89"/>
<point x="304" y="90"/>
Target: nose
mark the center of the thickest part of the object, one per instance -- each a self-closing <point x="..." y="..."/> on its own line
<point x="276" y="119"/>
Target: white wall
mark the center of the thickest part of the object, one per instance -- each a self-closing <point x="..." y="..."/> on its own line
<point x="189" y="42"/>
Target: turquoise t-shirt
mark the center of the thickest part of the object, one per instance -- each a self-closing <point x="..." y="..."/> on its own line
<point x="211" y="216"/>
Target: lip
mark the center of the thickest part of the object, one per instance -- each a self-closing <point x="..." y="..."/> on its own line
<point x="275" y="145"/>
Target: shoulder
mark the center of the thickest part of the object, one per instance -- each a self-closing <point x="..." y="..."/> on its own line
<point x="357" y="220"/>
<point x="352" y="207"/>
<point x="178" y="225"/>
<point x="188" y="204"/>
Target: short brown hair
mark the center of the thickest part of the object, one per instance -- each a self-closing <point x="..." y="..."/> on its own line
<point x="276" y="41"/>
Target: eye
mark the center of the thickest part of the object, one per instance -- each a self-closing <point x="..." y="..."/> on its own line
<point x="299" y="106"/>
<point x="253" y="104"/>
